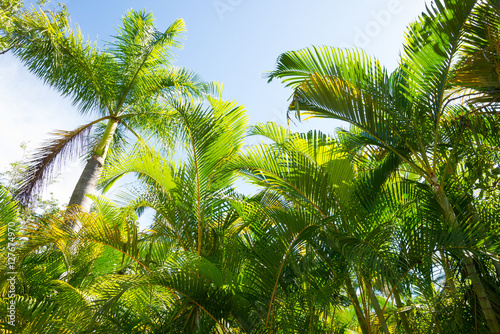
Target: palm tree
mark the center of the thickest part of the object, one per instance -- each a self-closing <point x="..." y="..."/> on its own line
<point x="123" y="85"/>
<point x="319" y="221"/>
<point x="372" y="230"/>
<point x="408" y="115"/>
<point x="276" y="263"/>
<point x="192" y="250"/>
<point x="254" y="255"/>
<point x="186" y="274"/>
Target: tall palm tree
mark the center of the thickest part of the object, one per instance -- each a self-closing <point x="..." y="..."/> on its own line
<point x="123" y="84"/>
<point x="408" y="115"/>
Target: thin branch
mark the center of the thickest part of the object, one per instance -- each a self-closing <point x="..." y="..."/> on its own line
<point x="7" y="50"/>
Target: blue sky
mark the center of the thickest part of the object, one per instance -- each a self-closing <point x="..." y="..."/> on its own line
<point x="236" y="41"/>
<point x="230" y="41"/>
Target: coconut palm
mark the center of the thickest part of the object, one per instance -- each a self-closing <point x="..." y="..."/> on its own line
<point x="122" y="84"/>
<point x="408" y="115"/>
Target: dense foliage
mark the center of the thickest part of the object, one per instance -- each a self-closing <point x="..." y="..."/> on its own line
<point x="389" y="227"/>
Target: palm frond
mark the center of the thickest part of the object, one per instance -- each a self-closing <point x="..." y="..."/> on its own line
<point x="8" y="207"/>
<point x="47" y="159"/>
<point x="49" y="48"/>
<point x="143" y="161"/>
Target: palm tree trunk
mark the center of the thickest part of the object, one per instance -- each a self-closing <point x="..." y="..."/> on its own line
<point x="92" y="171"/>
<point x="448" y="276"/>
<point x="376" y="307"/>
<point x="402" y="315"/>
<point x="87" y="183"/>
<point x="477" y="285"/>
<point x="357" y="308"/>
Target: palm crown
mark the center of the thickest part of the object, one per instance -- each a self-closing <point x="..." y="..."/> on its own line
<point x="410" y="116"/>
<point x="122" y="85"/>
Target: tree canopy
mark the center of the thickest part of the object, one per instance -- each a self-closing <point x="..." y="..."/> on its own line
<point x="389" y="226"/>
